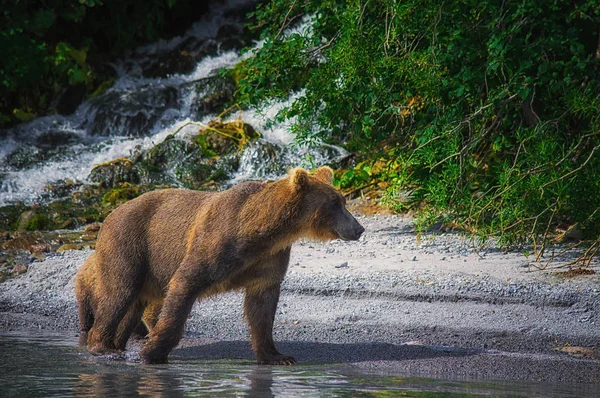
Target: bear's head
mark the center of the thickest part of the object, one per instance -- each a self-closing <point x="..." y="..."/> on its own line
<point x="323" y="211"/>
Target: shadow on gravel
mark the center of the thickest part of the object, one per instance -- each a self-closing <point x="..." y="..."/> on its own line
<point x="325" y="352"/>
<point x="395" y="231"/>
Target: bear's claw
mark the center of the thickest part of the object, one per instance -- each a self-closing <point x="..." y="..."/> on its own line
<point x="278" y="360"/>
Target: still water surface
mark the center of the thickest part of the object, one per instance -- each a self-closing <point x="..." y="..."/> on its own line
<point x="35" y="365"/>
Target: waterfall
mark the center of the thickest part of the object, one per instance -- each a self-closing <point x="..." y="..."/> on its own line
<point x="142" y="108"/>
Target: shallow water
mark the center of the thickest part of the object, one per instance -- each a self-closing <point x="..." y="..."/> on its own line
<point x="43" y="364"/>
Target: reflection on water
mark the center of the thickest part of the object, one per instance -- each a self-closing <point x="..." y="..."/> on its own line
<point x="53" y="365"/>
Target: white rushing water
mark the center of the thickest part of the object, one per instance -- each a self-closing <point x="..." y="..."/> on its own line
<point x="138" y="112"/>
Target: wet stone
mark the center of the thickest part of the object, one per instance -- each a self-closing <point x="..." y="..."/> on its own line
<point x="19" y="269"/>
<point x="212" y="95"/>
<point x="55" y="138"/>
<point x="116" y="171"/>
<point x="132" y="113"/>
<point x="175" y="62"/>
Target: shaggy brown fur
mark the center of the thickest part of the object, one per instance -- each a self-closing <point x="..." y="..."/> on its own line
<point x="158" y="253"/>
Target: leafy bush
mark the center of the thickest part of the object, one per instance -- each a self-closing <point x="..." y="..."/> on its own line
<point x="484" y="113"/>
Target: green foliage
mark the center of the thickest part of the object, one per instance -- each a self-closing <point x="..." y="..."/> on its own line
<point x="484" y="113"/>
<point x="38" y="222"/>
<point x="51" y="44"/>
<point x="121" y="195"/>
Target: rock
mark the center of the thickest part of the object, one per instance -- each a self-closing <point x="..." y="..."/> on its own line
<point x="39" y="251"/>
<point x="69" y="99"/>
<point x="52" y="139"/>
<point x="61" y="188"/>
<point x="168" y="160"/>
<point x="24" y="220"/>
<point x="230" y="36"/>
<point x="19" y="269"/>
<point x="342" y="265"/>
<point x="93" y="227"/>
<point x="90" y="236"/>
<point x="171" y="63"/>
<point x="20" y="242"/>
<point x="4" y="236"/>
<point x="571" y="233"/>
<point x="133" y="114"/>
<point x="121" y="195"/>
<point x="212" y="94"/>
<point x="114" y="172"/>
<point x="41" y="248"/>
<point x="25" y="157"/>
<point x="70" y="246"/>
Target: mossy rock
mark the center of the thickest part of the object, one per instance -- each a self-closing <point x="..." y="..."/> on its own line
<point x="70" y="246"/>
<point x="114" y="172"/>
<point x="121" y="195"/>
<point x="9" y="216"/>
<point x="181" y="162"/>
<point x="226" y="137"/>
<point x="38" y="222"/>
<point x="213" y="94"/>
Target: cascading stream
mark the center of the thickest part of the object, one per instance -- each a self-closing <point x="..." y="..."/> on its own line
<point x="152" y="97"/>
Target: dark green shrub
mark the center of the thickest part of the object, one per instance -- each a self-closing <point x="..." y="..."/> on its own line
<point x="485" y="113"/>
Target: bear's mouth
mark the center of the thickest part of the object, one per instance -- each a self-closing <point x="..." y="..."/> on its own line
<point x="346" y="238"/>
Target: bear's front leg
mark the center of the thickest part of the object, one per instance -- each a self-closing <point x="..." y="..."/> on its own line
<point x="260" y="306"/>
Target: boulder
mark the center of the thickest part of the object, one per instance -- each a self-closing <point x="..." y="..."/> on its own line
<point x="114" y="172"/>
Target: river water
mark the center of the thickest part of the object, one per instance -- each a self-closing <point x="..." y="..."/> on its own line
<point x="51" y="364"/>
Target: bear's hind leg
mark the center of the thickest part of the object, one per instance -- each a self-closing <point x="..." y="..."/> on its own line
<point x="119" y="292"/>
<point x="84" y="308"/>
<point x="149" y="319"/>
<point x="129" y="323"/>
<point x="86" y="319"/>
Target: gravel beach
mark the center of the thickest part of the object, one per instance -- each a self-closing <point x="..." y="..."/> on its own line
<point x="433" y="305"/>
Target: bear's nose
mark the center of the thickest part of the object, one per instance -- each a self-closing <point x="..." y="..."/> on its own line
<point x="360" y="230"/>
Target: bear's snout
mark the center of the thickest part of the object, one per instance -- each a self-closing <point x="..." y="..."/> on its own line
<point x="357" y="231"/>
<point x="347" y="227"/>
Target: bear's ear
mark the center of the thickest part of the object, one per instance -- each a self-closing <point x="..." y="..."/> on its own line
<point x="299" y="178"/>
<point x="324" y="174"/>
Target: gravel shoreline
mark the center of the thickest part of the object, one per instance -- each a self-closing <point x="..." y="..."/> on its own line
<point x="432" y="306"/>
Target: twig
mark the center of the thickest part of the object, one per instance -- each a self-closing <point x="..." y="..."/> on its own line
<point x="207" y="128"/>
<point x="581" y="166"/>
<point x="361" y="188"/>
<point x="285" y="21"/>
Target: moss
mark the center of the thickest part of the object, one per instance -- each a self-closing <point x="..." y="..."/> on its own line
<point x="38" y="222"/>
<point x="219" y="175"/>
<point x="105" y="85"/>
<point x="9" y="216"/>
<point x="115" y="172"/>
<point x="120" y="195"/>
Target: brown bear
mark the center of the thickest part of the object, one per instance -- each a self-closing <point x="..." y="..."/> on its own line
<point x="157" y="254"/>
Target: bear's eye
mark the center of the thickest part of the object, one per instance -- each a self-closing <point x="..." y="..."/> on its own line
<point x="335" y="204"/>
